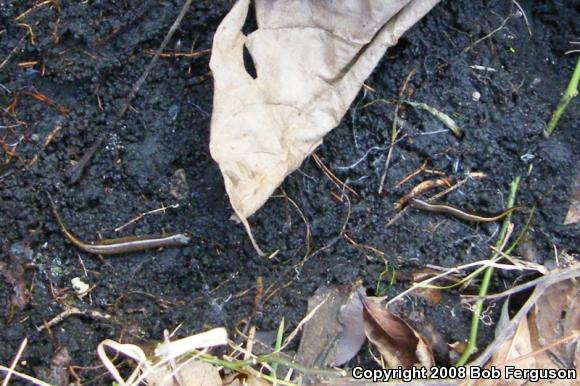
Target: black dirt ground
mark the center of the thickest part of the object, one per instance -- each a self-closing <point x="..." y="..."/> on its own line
<point x="86" y="56"/>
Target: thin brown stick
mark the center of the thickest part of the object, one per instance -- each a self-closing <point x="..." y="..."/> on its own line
<point x="70" y="312"/>
<point x="141" y="215"/>
<point x="155" y="58"/>
<point x="394" y="130"/>
<point x="46" y="142"/>
<point x="337" y="181"/>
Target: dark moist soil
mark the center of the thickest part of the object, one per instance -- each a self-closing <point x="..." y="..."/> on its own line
<point x="88" y="55"/>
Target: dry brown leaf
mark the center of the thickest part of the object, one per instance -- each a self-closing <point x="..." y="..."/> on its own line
<point x="190" y="373"/>
<point x="334" y="333"/>
<point x="398" y="343"/>
<point x="518" y="346"/>
<point x="255" y="381"/>
<point x="310" y="66"/>
<point x="353" y="335"/>
<point x="557" y="316"/>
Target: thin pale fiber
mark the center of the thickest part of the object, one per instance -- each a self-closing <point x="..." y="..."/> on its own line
<point x="311" y="59"/>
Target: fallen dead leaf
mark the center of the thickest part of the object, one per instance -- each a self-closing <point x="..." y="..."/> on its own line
<point x="334" y="334"/>
<point x="353" y="335"/>
<point x="398" y="343"/>
<point x="518" y="346"/>
<point x="309" y="65"/>
<point x="190" y="373"/>
<point x="57" y="373"/>
<point x="557" y="316"/>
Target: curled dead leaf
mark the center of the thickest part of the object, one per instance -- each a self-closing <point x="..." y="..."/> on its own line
<point x="398" y="343"/>
<point x="309" y="68"/>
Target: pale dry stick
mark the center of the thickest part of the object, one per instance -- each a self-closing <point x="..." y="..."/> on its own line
<point x="140" y="216"/>
<point x="394" y="131"/>
<point x="33" y="8"/>
<point x="489" y="35"/>
<point x="70" y="312"/>
<point x="523" y="312"/>
<point x="524" y="16"/>
<point x="35" y="381"/>
<point x="11" y="54"/>
<point x="15" y="361"/>
<point x="572" y="51"/>
<point x="155" y="58"/>
<point x="573" y="335"/>
<point x="516" y="261"/>
<point x="304" y="320"/>
<point x="303" y="216"/>
<point x="567" y="274"/>
<point x="482" y="263"/>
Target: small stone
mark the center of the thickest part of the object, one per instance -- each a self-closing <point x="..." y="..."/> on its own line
<point x="79" y="286"/>
<point x="475" y="96"/>
<point x="178" y="185"/>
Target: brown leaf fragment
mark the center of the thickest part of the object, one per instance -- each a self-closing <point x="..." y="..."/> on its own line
<point x="518" y="346"/>
<point x="13" y="273"/>
<point x="353" y="334"/>
<point x="430" y="295"/>
<point x="556" y="316"/>
<point x="190" y="373"/>
<point x="398" y="343"/>
<point x="57" y="374"/>
<point x="330" y="336"/>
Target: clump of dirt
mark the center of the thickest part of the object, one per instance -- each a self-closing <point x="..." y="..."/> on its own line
<point x="66" y="72"/>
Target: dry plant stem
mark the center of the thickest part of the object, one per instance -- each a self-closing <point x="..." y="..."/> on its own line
<point x="70" y="312"/>
<point x="570" y="93"/>
<point x="271" y="358"/>
<point x="30" y="379"/>
<point x="394" y="131"/>
<point x="507" y="332"/>
<point x="15" y="361"/>
<point x="472" y="342"/>
<point x="155" y="58"/>
<point x="566" y="274"/>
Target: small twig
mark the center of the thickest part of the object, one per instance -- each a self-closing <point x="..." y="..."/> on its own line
<point x="46" y="142"/>
<point x="155" y="58"/>
<point x="191" y="55"/>
<point x="75" y="172"/>
<point x="14" y="50"/>
<point x="141" y="215"/>
<point x="15" y="361"/>
<point x="394" y="131"/>
<point x="501" y="26"/>
<point x="70" y="312"/>
<point x="337" y="181"/>
<point x="562" y="275"/>
<point x="524" y="16"/>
